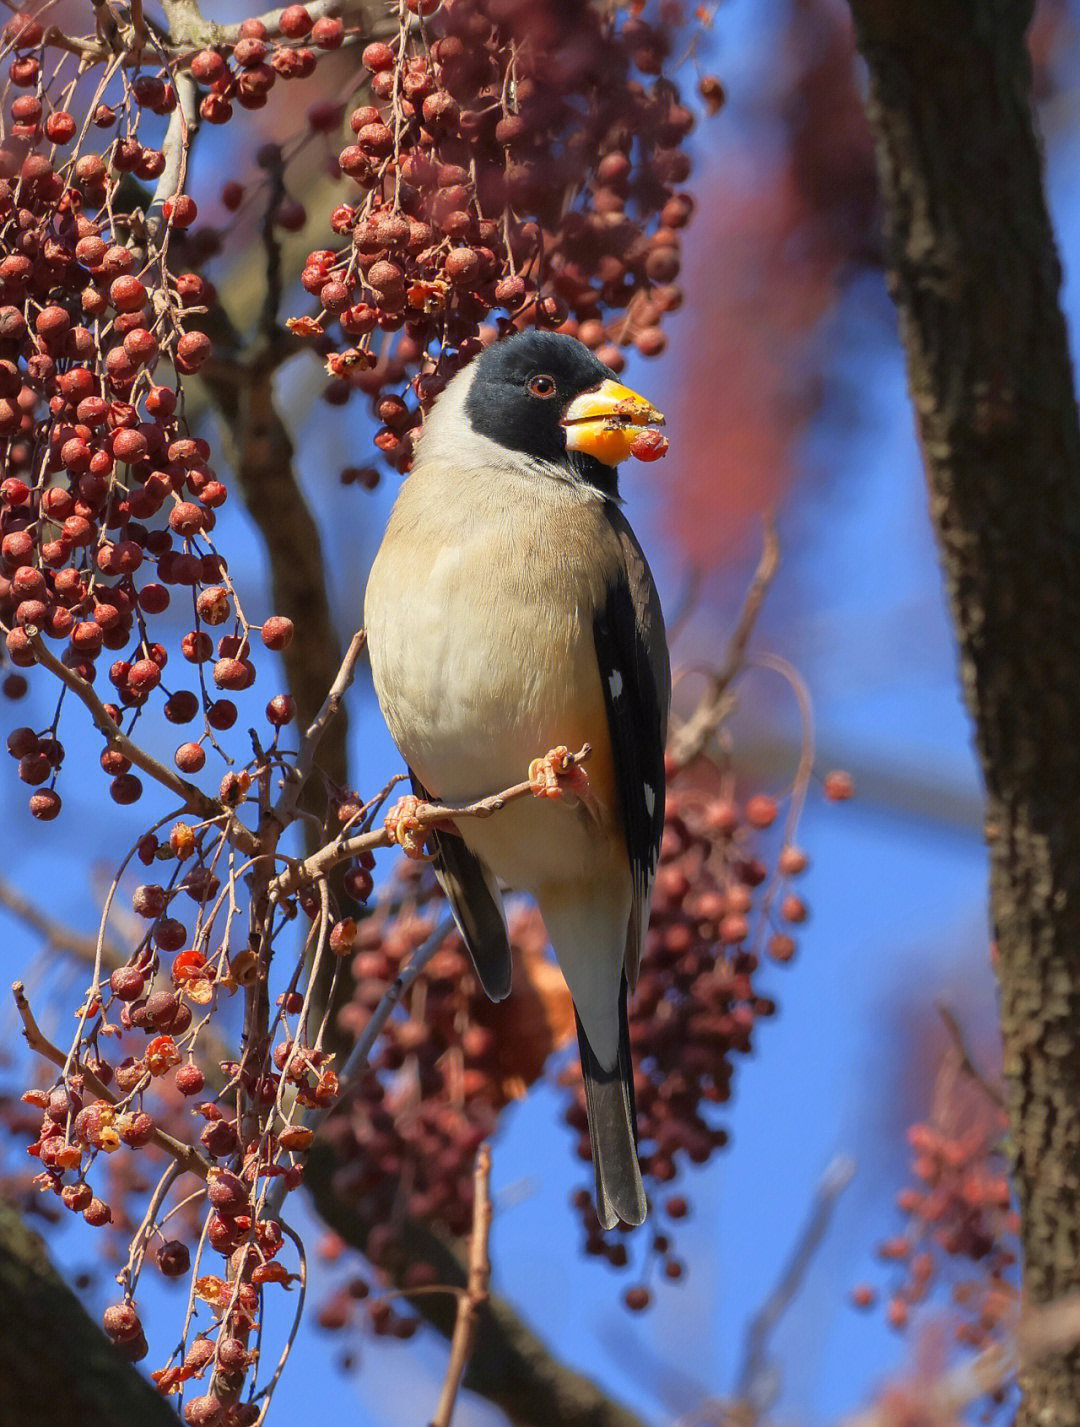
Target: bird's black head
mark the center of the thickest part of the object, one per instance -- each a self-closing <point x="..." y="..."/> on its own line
<point x="520" y="391"/>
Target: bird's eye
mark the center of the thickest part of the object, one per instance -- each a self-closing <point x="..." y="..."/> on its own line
<point x="542" y="386"/>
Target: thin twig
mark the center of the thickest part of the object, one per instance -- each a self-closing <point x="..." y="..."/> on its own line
<point x="175" y="146"/>
<point x="756" y="1381"/>
<point x="331" y="704"/>
<point x="267" y="1392"/>
<point x="362" y="1049"/>
<point x="194" y="799"/>
<point x="967" y="1064"/>
<point x="476" y="1291"/>
<point x="692" y="737"/>
<point x="355" y="1066"/>
<point x="186" y="1157"/>
<point x="426" y="815"/>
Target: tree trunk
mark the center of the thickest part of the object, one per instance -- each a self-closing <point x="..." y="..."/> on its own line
<point x="975" y="276"/>
<point x="56" y="1366"/>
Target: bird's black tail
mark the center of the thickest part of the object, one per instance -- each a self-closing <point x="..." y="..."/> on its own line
<point x="609" y="1100"/>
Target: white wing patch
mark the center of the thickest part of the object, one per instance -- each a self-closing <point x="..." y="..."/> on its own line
<point x="650" y="799"/>
<point x="615" y="683"/>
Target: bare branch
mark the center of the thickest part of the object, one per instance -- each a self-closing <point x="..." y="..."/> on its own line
<point x="476" y="1291"/>
<point x="57" y="935"/>
<point x="347" y="10"/>
<point x="692" y="737"/>
<point x="756" y="1381"/>
<point x="184" y="1155"/>
<point x="175" y="146"/>
<point x="426" y="815"/>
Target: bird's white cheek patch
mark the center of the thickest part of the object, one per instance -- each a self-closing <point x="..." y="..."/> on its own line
<point x="650" y="799"/>
<point x="615" y="683"/>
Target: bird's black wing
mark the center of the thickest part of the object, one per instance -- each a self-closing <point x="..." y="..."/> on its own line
<point x="631" y="650"/>
<point x="476" y="902"/>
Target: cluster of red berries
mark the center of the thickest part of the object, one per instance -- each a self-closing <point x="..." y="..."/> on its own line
<point x="959" y="1215"/>
<point x="515" y="158"/>
<point x="106" y="505"/>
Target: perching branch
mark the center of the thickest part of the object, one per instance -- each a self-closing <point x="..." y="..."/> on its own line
<point x="422" y="816"/>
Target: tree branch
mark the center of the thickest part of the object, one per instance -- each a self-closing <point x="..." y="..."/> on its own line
<point x="57" y="1366"/>
<point x="476" y="1291"/>
<point x="692" y="737"/>
<point x="58" y="936"/>
<point x="510" y="1366"/>
<point x="1039" y="1333"/>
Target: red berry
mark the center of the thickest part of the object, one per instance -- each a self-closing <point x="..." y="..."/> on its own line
<point x="173" y="1258"/>
<point x="127" y="294"/>
<point x="189" y="1079"/>
<point x="277" y="632"/>
<point x="761" y="810"/>
<point x="377" y="56"/>
<point x="328" y="33"/>
<point x="792" y="861"/>
<point x="190" y="757"/>
<point x="294" y="22"/>
<point x="45" y="805"/>
<point x="281" y="710"/>
<point x="839" y="786"/>
<point x="793" y="909"/>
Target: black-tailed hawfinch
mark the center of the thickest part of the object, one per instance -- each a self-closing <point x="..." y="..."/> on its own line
<point x="510" y="610"/>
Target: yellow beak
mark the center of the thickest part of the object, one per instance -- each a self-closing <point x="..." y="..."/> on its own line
<point x="603" y="422"/>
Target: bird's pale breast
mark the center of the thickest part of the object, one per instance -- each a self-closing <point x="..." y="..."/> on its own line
<point x="481" y="667"/>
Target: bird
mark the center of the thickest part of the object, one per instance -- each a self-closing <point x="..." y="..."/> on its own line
<point x="510" y="610"/>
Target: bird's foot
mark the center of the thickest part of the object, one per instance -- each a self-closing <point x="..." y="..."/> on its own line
<point x="558" y="775"/>
<point x="404" y="828"/>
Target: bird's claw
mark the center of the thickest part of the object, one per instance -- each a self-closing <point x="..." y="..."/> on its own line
<point x="558" y="775"/>
<point x="404" y="828"/>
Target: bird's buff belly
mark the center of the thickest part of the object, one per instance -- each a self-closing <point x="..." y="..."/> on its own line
<point x="470" y="714"/>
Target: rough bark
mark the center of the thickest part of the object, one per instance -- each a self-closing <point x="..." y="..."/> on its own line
<point x="975" y="276"/>
<point x="58" y="1367"/>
